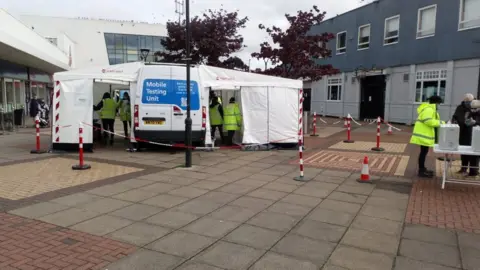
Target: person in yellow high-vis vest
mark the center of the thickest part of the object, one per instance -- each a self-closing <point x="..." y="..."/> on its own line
<point x="216" y="119"/>
<point x="232" y="120"/>
<point x="424" y="132"/>
<point x="108" y="109"/>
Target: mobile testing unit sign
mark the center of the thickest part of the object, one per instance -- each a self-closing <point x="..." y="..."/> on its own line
<point x="170" y="92"/>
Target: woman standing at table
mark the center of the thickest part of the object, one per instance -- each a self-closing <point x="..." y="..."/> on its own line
<point x="424" y="132"/>
<point x="462" y="117"/>
<point x="473" y="119"/>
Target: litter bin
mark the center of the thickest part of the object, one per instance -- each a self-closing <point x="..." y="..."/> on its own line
<point x="18" y="117"/>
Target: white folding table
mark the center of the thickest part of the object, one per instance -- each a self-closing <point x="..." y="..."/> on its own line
<point x="462" y="150"/>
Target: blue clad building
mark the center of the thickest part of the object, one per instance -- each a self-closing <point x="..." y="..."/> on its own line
<point x="393" y="55"/>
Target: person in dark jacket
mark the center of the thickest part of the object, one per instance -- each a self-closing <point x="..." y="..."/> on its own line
<point x="473" y="119"/>
<point x="462" y="117"/>
<point x="108" y="109"/>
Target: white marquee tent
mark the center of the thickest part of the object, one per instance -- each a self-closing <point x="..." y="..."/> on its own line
<point x="270" y="105"/>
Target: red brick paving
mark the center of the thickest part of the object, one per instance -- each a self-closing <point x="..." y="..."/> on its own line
<point x="455" y="207"/>
<point x="29" y="244"/>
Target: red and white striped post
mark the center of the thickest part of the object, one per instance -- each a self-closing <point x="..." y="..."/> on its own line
<point x="37" y="149"/>
<point x="349" y="131"/>
<point x="81" y="164"/>
<point x="378" y="148"/>
<point x="300" y="138"/>
<point x="314" y="134"/>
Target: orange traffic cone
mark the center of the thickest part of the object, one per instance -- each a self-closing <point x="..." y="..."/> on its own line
<point x="390" y="131"/>
<point x="365" y="176"/>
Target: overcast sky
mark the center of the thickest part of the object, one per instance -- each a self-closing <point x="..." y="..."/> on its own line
<point x="267" y="12"/>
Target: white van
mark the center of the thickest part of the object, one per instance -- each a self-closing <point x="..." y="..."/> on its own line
<point x="160" y="105"/>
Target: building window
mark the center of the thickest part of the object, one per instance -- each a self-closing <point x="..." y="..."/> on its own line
<point x="427" y="17"/>
<point x="341" y="42"/>
<point x="469" y="14"/>
<point x="334" y="89"/>
<point x="392" y="30"/>
<point x="430" y="83"/>
<point x="123" y="48"/>
<point x="364" y="37"/>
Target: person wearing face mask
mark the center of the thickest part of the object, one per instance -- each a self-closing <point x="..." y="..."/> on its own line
<point x="462" y="118"/>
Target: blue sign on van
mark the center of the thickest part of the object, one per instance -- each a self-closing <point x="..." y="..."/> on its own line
<point x="171" y="92"/>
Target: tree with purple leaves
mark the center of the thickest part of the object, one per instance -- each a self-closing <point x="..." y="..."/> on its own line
<point x="214" y="39"/>
<point x="297" y="49"/>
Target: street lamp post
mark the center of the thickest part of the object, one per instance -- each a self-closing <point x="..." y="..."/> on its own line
<point x="188" y="120"/>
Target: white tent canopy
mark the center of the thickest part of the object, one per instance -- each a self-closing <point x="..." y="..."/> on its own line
<point x="270" y="105"/>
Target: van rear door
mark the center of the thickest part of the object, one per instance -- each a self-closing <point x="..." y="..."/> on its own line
<point x="155" y="112"/>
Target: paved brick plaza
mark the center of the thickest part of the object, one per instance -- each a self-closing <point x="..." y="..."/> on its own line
<point x="233" y="210"/>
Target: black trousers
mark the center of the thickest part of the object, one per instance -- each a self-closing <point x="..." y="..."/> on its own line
<point x="220" y="129"/>
<point x="108" y="124"/>
<point x="470" y="161"/>
<point x="126" y="125"/>
<point x="422" y="157"/>
<point x="230" y="135"/>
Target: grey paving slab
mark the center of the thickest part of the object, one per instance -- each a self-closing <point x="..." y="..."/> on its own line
<point x="289" y="209"/>
<point x="304" y="248"/>
<point x="267" y="194"/>
<point x="382" y="212"/>
<point x="76" y="199"/>
<point x="104" y="205"/>
<point x="160" y="187"/>
<point x="321" y="185"/>
<point x="340" y="206"/>
<point x="197" y="266"/>
<point x="279" y="170"/>
<point x="69" y="217"/>
<point x="251" y="182"/>
<point x="182" y="244"/>
<point x="263" y="177"/>
<point x="378" y="225"/>
<point x="209" y="185"/>
<point x="109" y="190"/>
<point x="38" y="210"/>
<point x="137" y="183"/>
<point x="342" y="174"/>
<point x="357" y="259"/>
<point x="219" y="197"/>
<point x="403" y="263"/>
<point x="139" y="233"/>
<point x="146" y="260"/>
<point x="233" y="213"/>
<point x="329" y="179"/>
<point x="373" y="241"/>
<point x="388" y="202"/>
<point x="333" y="267"/>
<point x="332" y="217"/>
<point x="363" y="189"/>
<point x="347" y="197"/>
<point x="320" y="231"/>
<point x="313" y="192"/>
<point x="301" y="200"/>
<point x="137" y="212"/>
<point x="172" y="219"/>
<point x="273" y="221"/>
<point x="280" y="187"/>
<point x="274" y="261"/>
<point x="390" y="194"/>
<point x="236" y="189"/>
<point x="430" y="234"/>
<point x="432" y="253"/>
<point x="102" y="225"/>
<point x="198" y="207"/>
<point x="182" y="181"/>
<point x="289" y="181"/>
<point x="135" y="195"/>
<point x="229" y="256"/>
<point x="165" y="201"/>
<point x="253" y="236"/>
<point x="470" y="258"/>
<point x="469" y="240"/>
<point x="252" y="203"/>
<point x="222" y="178"/>
<point x="211" y="227"/>
<point x="188" y="192"/>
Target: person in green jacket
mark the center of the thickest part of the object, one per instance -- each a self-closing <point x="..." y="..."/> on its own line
<point x="125" y="113"/>
<point x="424" y="132"/>
<point x="108" y="109"/>
<point x="232" y="120"/>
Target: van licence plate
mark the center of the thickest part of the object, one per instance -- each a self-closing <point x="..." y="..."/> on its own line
<point x="154" y="122"/>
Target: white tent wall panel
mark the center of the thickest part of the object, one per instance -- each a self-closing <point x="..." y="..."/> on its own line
<point x="255" y="115"/>
<point x="283" y="114"/>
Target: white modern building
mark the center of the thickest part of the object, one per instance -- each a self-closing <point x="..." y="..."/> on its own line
<point x="97" y="42"/>
<point x="27" y="62"/>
